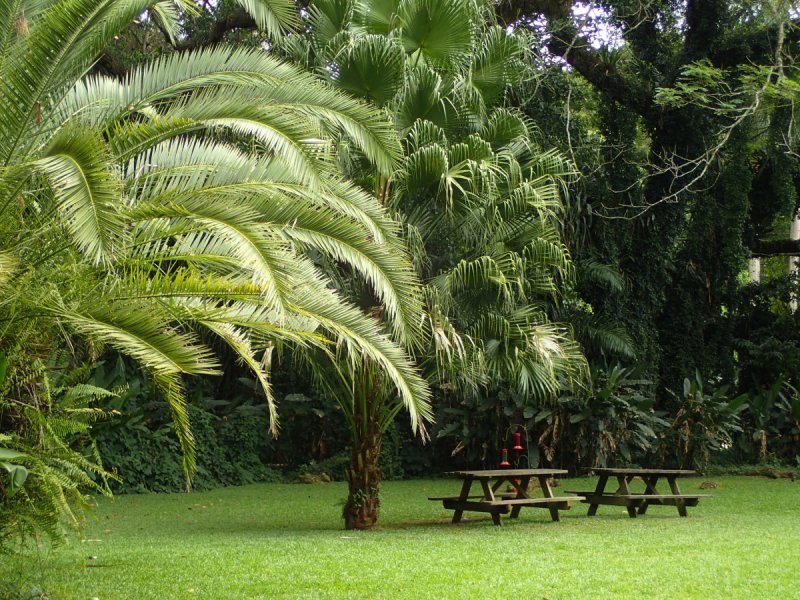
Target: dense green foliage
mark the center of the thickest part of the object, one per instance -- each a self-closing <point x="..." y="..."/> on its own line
<point x="150" y="214"/>
<point x="681" y="121"/>
<point x="494" y="217"/>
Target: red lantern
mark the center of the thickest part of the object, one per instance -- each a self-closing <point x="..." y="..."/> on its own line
<point x="505" y="459"/>
<point x="518" y="447"/>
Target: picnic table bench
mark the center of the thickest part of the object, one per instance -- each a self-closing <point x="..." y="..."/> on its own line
<point x="494" y="503"/>
<point x="633" y="501"/>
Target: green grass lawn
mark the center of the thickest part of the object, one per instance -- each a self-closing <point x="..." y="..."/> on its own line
<point x="287" y="541"/>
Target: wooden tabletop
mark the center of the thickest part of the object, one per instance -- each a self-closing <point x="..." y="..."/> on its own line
<point x="612" y="471"/>
<point x="509" y="473"/>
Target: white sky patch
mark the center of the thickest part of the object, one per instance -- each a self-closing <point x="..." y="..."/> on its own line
<point x="594" y="24"/>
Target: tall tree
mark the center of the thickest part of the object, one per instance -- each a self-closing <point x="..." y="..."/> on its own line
<point x="478" y="197"/>
<point x="180" y="204"/>
<point x="696" y="157"/>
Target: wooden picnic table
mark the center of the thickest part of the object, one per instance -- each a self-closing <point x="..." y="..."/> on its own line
<point x="494" y="503"/>
<point x="633" y="501"/>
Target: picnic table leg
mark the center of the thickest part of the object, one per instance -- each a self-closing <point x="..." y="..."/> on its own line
<point x="549" y="494"/>
<point x="624" y="489"/>
<point x="463" y="498"/>
<point x="651" y="489"/>
<point x="601" y="486"/>
<point x="488" y="494"/>
<point x="673" y="485"/>
<point x="523" y="484"/>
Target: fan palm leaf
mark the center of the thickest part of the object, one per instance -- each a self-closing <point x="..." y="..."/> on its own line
<point x="440" y="30"/>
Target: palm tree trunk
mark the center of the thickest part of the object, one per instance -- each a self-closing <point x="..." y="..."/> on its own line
<point x="363" y="475"/>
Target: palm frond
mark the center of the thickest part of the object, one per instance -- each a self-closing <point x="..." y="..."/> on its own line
<point x="363" y="340"/>
<point x="235" y="231"/>
<point x="328" y="18"/>
<point x="133" y="329"/>
<point x="275" y="17"/>
<point x="370" y="67"/>
<point x="239" y="341"/>
<point x="600" y="335"/>
<point x="60" y="45"/>
<point x="592" y="270"/>
<point x="86" y="189"/>
<point x="386" y="269"/>
<point x="440" y="30"/>
<point x="496" y="64"/>
<point x="171" y="387"/>
<point x="376" y="16"/>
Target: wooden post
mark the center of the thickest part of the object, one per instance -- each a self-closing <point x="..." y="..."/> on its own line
<point x="623" y="487"/>
<point x="522" y="492"/>
<point x="488" y="494"/>
<point x="754" y="269"/>
<point x="650" y="482"/>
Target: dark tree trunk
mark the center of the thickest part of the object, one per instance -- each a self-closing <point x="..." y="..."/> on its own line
<point x="363" y="474"/>
<point x="363" y="478"/>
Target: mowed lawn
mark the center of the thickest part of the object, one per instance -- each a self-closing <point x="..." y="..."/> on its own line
<point x="287" y="541"/>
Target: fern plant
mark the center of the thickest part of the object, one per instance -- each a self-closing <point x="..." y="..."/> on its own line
<point x="51" y="447"/>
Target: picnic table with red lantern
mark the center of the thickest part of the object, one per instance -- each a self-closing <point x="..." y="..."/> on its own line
<point x="495" y="502"/>
<point x="633" y="501"/>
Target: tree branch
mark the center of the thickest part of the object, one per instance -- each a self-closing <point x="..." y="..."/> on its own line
<point x="578" y="53"/>
<point x="239" y="20"/>
<point x="776" y="248"/>
<point x="108" y="65"/>
<point x="566" y="43"/>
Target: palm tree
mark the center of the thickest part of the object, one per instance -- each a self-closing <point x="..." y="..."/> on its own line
<point x="181" y="202"/>
<point x="497" y="262"/>
<point x="479" y="199"/>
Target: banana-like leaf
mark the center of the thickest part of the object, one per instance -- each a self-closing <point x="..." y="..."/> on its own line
<point x="7" y="454"/>
<point x="18" y="475"/>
